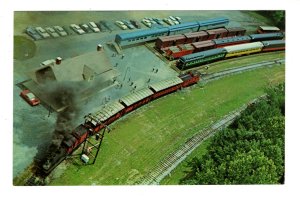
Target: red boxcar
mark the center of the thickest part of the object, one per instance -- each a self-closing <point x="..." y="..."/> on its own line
<point x="189" y="79"/>
<point x="165" y="87"/>
<point x="166" y="41"/>
<point x="204" y="45"/>
<point x="235" y="31"/>
<point x="196" y="36"/>
<point x="217" y="33"/>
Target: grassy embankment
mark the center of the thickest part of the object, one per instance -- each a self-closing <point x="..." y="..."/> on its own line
<point x="141" y="139"/>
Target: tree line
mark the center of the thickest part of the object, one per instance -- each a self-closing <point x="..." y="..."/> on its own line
<point x="249" y="151"/>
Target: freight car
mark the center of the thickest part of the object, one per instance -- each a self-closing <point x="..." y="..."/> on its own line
<point x="166" y="41"/>
<point x="136" y="37"/>
<point x="209" y="56"/>
<point x="96" y="121"/>
<point x="218" y="43"/>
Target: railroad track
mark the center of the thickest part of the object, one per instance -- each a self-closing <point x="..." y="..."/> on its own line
<point x="213" y="76"/>
<point x="172" y="160"/>
<point x="164" y="167"/>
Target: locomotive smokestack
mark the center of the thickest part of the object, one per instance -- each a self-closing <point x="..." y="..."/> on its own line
<point x="58" y="60"/>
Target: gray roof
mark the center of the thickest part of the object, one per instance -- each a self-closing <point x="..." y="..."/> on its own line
<point x="165" y="84"/>
<point x="136" y="96"/>
<point x="269" y="28"/>
<point x="104" y="113"/>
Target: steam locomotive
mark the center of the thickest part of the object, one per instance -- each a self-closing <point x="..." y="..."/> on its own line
<point x="94" y="122"/>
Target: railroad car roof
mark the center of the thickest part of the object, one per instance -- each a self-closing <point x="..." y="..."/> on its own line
<point x="165" y="84"/>
<point x="273" y="42"/>
<point x="136" y="96"/>
<point x="231" y="39"/>
<point x="218" y="30"/>
<point x="104" y="113"/>
<point x="266" y="35"/>
<point x="205" y="43"/>
<point x="183" y="26"/>
<point x="171" y="38"/>
<point x="174" y="49"/>
<point x="80" y="130"/>
<point x="142" y="33"/>
<point x="186" y="47"/>
<point x="195" y="34"/>
<point x="202" y="54"/>
<point x="269" y="28"/>
<point x="218" y="20"/>
<point x="243" y="46"/>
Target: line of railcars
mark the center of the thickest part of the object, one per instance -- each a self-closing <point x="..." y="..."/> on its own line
<point x="135" y="37"/>
<point x="106" y="115"/>
<point x="178" y="51"/>
<point x="165" y="41"/>
<point x="212" y="55"/>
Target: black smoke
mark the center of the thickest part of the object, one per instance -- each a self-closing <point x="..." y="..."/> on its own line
<point x="64" y="97"/>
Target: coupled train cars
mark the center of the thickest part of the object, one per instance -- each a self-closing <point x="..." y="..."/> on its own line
<point x="175" y="52"/>
<point x="212" y="55"/>
<point x="135" y="37"/>
<point x="166" y="41"/>
<point x="94" y="122"/>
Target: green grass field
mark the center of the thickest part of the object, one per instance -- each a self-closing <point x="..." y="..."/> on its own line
<point x="23" y="48"/>
<point x="242" y="61"/>
<point x="178" y="172"/>
<point x="143" y="138"/>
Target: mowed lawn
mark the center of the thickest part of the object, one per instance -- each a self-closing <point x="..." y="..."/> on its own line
<point x="143" y="138"/>
<point x="242" y="61"/>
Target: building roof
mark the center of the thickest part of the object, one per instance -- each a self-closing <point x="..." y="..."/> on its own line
<point x="136" y="96"/>
<point x="74" y="69"/>
<point x="104" y="113"/>
<point x="165" y="84"/>
<point x="269" y="28"/>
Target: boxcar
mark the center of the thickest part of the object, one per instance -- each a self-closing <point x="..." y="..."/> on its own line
<point x="196" y="36"/>
<point x="235" y="31"/>
<point x="217" y="33"/>
<point x="165" y="87"/>
<point x="188" y="61"/>
<point x="273" y="45"/>
<point x="104" y="116"/>
<point x="231" y="41"/>
<point x="203" y="45"/>
<point x="136" y="99"/>
<point x="242" y="49"/>
<point x="166" y="41"/>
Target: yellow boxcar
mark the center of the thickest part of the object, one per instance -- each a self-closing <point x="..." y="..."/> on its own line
<point x="242" y="49"/>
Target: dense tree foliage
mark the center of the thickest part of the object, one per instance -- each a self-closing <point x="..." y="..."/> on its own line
<point x="250" y="151"/>
<point x="278" y="17"/>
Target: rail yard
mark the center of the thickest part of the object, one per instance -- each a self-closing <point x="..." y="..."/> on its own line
<point x="114" y="96"/>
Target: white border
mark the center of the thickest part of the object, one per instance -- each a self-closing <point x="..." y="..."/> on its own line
<point x="150" y="192"/>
